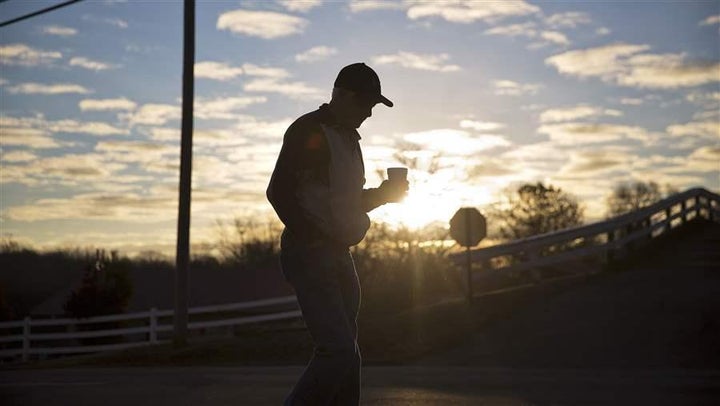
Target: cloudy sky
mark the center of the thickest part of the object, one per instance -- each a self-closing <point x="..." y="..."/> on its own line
<point x="488" y="94"/>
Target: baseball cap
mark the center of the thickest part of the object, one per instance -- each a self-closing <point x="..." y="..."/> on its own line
<point x="361" y="79"/>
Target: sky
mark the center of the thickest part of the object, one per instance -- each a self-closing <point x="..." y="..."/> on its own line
<point x="488" y="95"/>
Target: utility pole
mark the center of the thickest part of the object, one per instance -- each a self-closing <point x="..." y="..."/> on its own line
<point x="182" y="258"/>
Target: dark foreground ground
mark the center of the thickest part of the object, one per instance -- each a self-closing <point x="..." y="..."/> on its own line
<point x="217" y="386"/>
<point x="645" y="335"/>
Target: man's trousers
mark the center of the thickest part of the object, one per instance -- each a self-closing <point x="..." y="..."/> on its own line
<point x="328" y="291"/>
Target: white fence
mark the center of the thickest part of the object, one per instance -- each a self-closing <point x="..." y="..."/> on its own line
<point x="608" y="239"/>
<point x="39" y="338"/>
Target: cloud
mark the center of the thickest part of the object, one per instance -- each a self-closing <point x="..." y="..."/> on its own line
<point x="703" y="98"/>
<point x="59" y="30"/>
<point x="357" y="6"/>
<point x="468" y="11"/>
<point x="27" y="137"/>
<point x="18" y="156"/>
<point x="571" y="19"/>
<point x="291" y="89"/>
<point x="626" y="65"/>
<point x="454" y="142"/>
<point x="429" y="62"/>
<point x="706" y="158"/>
<point x="529" y="30"/>
<point x="264" y="71"/>
<point x="262" y="24"/>
<point x="39" y="126"/>
<point x="316" y="54"/>
<point x="602" y="31"/>
<point x="584" y="163"/>
<point x="555" y="37"/>
<point x="216" y="70"/>
<point x="511" y="88"/>
<point x="69" y="169"/>
<point x="574" y="133"/>
<point x="23" y="55"/>
<point x="631" y="101"/>
<point x="223" y="71"/>
<point x="481" y="125"/>
<point x="153" y="114"/>
<point x="258" y="130"/>
<point x="140" y="152"/>
<point x="3" y="82"/>
<point x="301" y="6"/>
<point x="576" y="112"/>
<point x="115" y="22"/>
<point x="711" y="20"/>
<point x="106" y="104"/>
<point x="223" y="108"/>
<point x="90" y="64"/>
<point x="601" y="62"/>
<point x="85" y="127"/>
<point x="40" y="88"/>
<point x="27" y="132"/>
<point x="131" y="207"/>
<point x="704" y="129"/>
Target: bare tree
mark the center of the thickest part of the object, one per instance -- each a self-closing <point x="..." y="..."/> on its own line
<point x="536" y="209"/>
<point x="248" y="242"/>
<point x="628" y="197"/>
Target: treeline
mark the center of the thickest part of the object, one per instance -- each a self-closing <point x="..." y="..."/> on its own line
<point x="398" y="267"/>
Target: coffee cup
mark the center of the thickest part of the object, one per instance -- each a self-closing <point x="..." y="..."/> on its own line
<point x="397" y="174"/>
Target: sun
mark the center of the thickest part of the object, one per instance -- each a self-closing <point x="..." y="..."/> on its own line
<point x="432" y="200"/>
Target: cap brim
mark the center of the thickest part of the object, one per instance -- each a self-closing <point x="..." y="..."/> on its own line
<point x="384" y="100"/>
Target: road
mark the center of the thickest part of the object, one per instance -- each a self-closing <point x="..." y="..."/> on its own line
<point x="200" y="386"/>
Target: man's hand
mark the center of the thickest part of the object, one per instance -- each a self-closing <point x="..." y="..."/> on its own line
<point x="394" y="191"/>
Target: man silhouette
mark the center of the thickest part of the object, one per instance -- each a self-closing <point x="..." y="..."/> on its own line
<point x="317" y="191"/>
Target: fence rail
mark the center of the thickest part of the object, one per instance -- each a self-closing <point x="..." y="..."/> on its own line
<point x="609" y="239"/>
<point x="21" y="340"/>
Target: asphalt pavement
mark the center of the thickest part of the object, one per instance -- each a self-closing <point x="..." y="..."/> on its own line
<point x="392" y="385"/>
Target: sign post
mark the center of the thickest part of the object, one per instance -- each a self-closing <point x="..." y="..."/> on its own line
<point x="468" y="227"/>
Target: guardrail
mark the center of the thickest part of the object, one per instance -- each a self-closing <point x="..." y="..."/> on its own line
<point x="40" y="338"/>
<point x="609" y="239"/>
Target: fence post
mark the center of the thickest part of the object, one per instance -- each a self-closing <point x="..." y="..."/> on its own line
<point x="697" y="207"/>
<point x="683" y="208"/>
<point x="153" y="326"/>
<point x="26" y="340"/>
<point x="609" y="252"/>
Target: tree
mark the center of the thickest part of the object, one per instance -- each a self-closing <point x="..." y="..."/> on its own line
<point x="537" y="209"/>
<point x="249" y="243"/>
<point x="105" y="289"/>
<point x="627" y="197"/>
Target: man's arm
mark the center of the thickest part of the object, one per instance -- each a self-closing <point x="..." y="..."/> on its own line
<point x="386" y="193"/>
<point x="304" y="149"/>
<point x="372" y="198"/>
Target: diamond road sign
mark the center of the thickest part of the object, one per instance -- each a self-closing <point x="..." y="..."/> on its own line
<point x="468" y="227"/>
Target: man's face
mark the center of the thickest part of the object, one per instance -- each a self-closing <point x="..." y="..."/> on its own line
<point x="360" y="108"/>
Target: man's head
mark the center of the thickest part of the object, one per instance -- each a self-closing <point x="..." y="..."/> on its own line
<point x="356" y="92"/>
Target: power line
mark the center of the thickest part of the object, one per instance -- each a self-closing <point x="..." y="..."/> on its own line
<point x="37" y="13"/>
